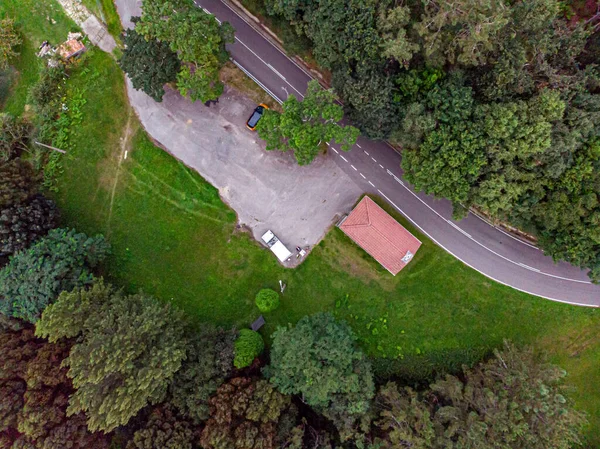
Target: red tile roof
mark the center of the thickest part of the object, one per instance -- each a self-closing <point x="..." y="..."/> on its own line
<point x="375" y="231"/>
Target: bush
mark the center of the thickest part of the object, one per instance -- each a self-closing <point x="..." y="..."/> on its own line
<point x="248" y="346"/>
<point x="267" y="300"/>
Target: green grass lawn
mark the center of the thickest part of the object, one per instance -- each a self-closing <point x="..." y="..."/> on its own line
<point x="173" y="237"/>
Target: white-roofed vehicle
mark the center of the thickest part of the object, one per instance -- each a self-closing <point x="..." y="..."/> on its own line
<point x="275" y="245"/>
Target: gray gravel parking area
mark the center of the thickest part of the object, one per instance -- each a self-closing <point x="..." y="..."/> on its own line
<point x="268" y="190"/>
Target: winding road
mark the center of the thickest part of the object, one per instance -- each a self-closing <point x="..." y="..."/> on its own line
<point x="376" y="166"/>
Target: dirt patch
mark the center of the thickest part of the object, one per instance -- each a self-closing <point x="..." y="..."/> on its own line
<point x="234" y="77"/>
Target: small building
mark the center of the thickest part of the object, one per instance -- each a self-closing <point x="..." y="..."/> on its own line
<point x="375" y="231"/>
<point x="71" y="49"/>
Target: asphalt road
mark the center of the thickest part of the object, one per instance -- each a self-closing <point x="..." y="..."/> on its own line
<point x="375" y="166"/>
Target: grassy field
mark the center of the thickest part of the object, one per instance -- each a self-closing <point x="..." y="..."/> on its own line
<point x="173" y="237"/>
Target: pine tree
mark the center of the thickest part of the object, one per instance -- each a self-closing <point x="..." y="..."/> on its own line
<point x="128" y="349"/>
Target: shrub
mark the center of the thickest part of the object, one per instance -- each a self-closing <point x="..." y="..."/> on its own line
<point x="248" y="346"/>
<point x="267" y="300"/>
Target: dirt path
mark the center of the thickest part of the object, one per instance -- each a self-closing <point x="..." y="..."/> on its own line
<point x="125" y="147"/>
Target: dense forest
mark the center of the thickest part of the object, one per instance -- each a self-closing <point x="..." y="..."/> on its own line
<point x="495" y="104"/>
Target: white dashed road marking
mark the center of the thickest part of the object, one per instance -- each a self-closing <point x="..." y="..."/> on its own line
<point x="362" y="175"/>
<point x="353" y="167"/>
<point x="346" y="160"/>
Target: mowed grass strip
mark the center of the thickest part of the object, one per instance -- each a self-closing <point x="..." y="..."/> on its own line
<point x="173" y="237"/>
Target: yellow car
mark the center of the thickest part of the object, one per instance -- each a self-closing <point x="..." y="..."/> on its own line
<point x="255" y="117"/>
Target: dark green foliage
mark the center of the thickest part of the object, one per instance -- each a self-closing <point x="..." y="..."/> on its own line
<point x="515" y="400"/>
<point x="306" y="126"/>
<point x="150" y="64"/>
<point x="19" y="182"/>
<point x="164" y="430"/>
<point x="127" y="351"/>
<point x="318" y="359"/>
<point x="35" y="388"/>
<point x="23" y="223"/>
<point x="34" y="277"/>
<point x="368" y="96"/>
<point x="197" y="38"/>
<point x="14" y="136"/>
<point x="248" y="346"/>
<point x="244" y="414"/>
<point x="208" y="362"/>
<point x="267" y="300"/>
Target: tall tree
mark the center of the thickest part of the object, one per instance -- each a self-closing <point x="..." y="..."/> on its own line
<point x="19" y="182"/>
<point x="150" y="64"/>
<point x="14" y="134"/>
<point x="368" y="96"/>
<point x="515" y="400"/>
<point x="9" y="39"/>
<point x="306" y="125"/>
<point x="164" y="430"/>
<point x="392" y="25"/>
<point x="34" y="277"/>
<point x="127" y="351"/>
<point x="245" y="414"/>
<point x="463" y="31"/>
<point x="36" y="390"/>
<point x="404" y="418"/>
<point x="208" y="362"/>
<point x="21" y="224"/>
<point x="197" y="38"/>
<point x="318" y="360"/>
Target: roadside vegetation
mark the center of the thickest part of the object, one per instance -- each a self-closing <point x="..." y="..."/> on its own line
<point x="173" y="239"/>
<point x="495" y="104"/>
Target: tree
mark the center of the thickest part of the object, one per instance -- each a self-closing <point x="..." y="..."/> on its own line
<point x="34" y="277"/>
<point x="150" y="64"/>
<point x="21" y="224"/>
<point x="37" y="389"/>
<point x="248" y="346"/>
<point x="404" y="418"/>
<point x="245" y="414"/>
<point x="463" y="31"/>
<point x="197" y="38"/>
<point x="395" y="42"/>
<point x="9" y="39"/>
<point x="318" y="360"/>
<point x="368" y="96"/>
<point x="127" y="351"/>
<point x="304" y="126"/>
<point x="14" y="134"/>
<point x="164" y="430"/>
<point x="19" y="182"/>
<point x="451" y="157"/>
<point x="515" y="400"/>
<point x="208" y="362"/>
<point x="267" y="300"/>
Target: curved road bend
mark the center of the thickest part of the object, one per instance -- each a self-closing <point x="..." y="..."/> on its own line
<point x="376" y="166"/>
